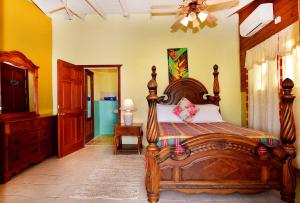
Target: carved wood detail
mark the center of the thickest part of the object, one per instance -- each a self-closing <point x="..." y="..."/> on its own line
<point x="152" y="167"/>
<point x="191" y="89"/>
<point x="18" y="59"/>
<point x="288" y="138"/>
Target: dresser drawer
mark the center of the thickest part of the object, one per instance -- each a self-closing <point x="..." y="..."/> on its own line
<point x="25" y="125"/>
<point x="46" y="148"/>
<point x="20" y="141"/>
<point x="17" y="158"/>
<point x="48" y="122"/>
<point x="47" y="134"/>
<point x="127" y="130"/>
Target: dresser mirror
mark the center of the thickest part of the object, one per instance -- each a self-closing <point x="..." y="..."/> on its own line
<point x="19" y="83"/>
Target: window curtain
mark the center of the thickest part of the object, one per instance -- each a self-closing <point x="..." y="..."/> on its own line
<point x="263" y="97"/>
<point x="263" y="77"/>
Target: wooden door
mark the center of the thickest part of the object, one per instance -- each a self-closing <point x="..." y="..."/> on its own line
<point x="70" y="108"/>
<point x="14" y="89"/>
<point x="89" y="105"/>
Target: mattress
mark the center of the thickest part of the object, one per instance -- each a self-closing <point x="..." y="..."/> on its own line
<point x="173" y="134"/>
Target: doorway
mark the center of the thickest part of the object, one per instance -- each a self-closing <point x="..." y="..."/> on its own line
<point x="74" y="118"/>
<point x="102" y="102"/>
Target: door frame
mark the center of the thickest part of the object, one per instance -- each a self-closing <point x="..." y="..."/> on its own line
<point x="107" y="66"/>
<point x="91" y="74"/>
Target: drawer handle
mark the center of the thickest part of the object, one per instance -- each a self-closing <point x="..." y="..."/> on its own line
<point x="16" y="158"/>
<point x="45" y="134"/>
<point x="35" y="137"/>
<point x="16" y="142"/>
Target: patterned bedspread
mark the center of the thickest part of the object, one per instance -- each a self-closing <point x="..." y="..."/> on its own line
<point x="175" y="133"/>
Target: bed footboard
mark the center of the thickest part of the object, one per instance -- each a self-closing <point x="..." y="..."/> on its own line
<point x="220" y="163"/>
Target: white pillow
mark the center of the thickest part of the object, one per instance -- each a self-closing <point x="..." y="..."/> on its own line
<point x="208" y="113"/>
<point x="165" y="114"/>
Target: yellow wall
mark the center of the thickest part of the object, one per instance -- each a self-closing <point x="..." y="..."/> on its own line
<point x="140" y="42"/>
<point x="1" y="23"/>
<point x="105" y="83"/>
<point x="25" y="28"/>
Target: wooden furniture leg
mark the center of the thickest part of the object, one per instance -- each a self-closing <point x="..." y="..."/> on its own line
<point x="152" y="167"/>
<point x="288" y="138"/>
<point x="120" y="142"/>
<point x="140" y="142"/>
<point x="115" y="143"/>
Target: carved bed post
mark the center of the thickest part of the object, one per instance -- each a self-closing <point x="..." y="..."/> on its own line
<point x="216" y="84"/>
<point x="288" y="137"/>
<point x="152" y="166"/>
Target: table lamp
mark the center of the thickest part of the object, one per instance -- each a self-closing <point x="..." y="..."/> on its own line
<point x="128" y="107"/>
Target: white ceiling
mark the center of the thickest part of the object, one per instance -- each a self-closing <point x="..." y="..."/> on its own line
<point x="102" y="8"/>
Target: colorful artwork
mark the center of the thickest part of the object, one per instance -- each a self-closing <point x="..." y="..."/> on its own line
<point x="177" y="63"/>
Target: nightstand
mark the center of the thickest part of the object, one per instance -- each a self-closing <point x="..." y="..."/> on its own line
<point x="132" y="130"/>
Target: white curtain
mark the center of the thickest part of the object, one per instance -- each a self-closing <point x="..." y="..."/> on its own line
<point x="280" y="44"/>
<point x="263" y="78"/>
<point x="263" y="112"/>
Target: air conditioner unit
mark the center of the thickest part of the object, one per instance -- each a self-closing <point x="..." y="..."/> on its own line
<point x="258" y="19"/>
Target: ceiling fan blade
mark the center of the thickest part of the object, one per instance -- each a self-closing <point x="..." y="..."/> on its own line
<point x="153" y="13"/>
<point x="211" y="18"/>
<point x="166" y="6"/>
<point x="214" y="2"/>
<point x="223" y="4"/>
<point x="177" y="23"/>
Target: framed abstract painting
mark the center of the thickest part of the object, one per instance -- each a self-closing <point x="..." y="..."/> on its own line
<point x="177" y="63"/>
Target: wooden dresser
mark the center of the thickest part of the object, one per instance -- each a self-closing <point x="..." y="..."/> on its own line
<point x="25" y="141"/>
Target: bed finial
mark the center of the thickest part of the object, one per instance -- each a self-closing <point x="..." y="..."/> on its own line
<point x="216" y="87"/>
<point x="288" y="138"/>
<point x="153" y="74"/>
<point x="152" y="84"/>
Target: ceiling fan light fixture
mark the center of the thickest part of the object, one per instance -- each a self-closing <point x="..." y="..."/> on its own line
<point x="202" y="16"/>
<point x="192" y="16"/>
<point x="185" y="21"/>
<point x="195" y="23"/>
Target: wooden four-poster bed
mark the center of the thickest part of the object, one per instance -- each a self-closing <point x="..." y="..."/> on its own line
<point x="217" y="163"/>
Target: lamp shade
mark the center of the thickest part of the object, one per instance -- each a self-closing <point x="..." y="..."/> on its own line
<point x="128" y="105"/>
<point x="202" y="16"/>
<point x="185" y="21"/>
<point x="192" y="16"/>
<point x="195" y="23"/>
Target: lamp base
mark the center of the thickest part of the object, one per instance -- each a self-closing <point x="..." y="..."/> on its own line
<point x="128" y="117"/>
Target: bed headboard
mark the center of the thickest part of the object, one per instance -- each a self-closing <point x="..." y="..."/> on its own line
<point x="191" y="89"/>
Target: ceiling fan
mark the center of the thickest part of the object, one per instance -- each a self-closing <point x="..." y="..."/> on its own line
<point x="196" y="11"/>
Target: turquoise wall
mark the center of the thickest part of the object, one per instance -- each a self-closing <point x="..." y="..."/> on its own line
<point x="105" y="118"/>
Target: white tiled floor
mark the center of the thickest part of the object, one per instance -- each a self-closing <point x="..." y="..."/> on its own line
<point x="54" y="180"/>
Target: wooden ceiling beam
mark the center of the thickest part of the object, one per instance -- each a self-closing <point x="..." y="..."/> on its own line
<point x="100" y="13"/>
<point x="56" y="10"/>
<point x="76" y="14"/>
<point x="124" y="8"/>
<point x="66" y="9"/>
